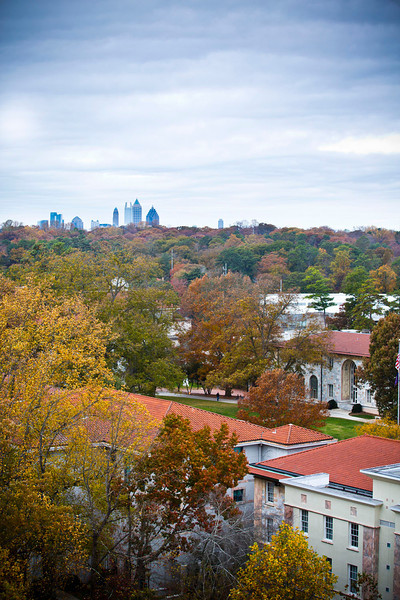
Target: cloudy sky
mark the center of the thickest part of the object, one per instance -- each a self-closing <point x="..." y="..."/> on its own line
<point x="282" y="111"/>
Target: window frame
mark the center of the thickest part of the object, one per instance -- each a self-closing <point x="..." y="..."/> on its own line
<point x="354" y="535"/>
<point x="328" y="528"/>
<point x="269" y="492"/>
<point x="351" y="571"/>
<point x="236" y="492"/>
<point x="304" y="521"/>
<point x="330" y="390"/>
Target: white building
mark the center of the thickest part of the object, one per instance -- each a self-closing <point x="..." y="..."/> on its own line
<point x="346" y="499"/>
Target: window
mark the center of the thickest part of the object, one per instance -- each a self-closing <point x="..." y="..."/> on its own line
<point x="313" y="387"/>
<point x="329" y="561"/>
<point x="304" y="520"/>
<point x="269" y="529"/>
<point x="330" y="390"/>
<point x="269" y="491"/>
<point x="368" y="395"/>
<point x="353" y="535"/>
<point x="329" y="528"/>
<point x="353" y="574"/>
<point x="330" y="362"/>
<point x="238" y="495"/>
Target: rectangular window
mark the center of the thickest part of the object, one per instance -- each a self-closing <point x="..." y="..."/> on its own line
<point x="269" y="529"/>
<point x="269" y="491"/>
<point x="304" y="520"/>
<point x="368" y="395"/>
<point x="238" y="495"/>
<point x="330" y="362"/>
<point x="353" y="575"/>
<point x="329" y="528"/>
<point x="353" y="535"/>
<point x="330" y="390"/>
<point x="329" y="561"/>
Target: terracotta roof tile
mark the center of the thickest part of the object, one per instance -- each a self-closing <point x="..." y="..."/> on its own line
<point x="342" y="460"/>
<point x="246" y="432"/>
<point x="349" y="343"/>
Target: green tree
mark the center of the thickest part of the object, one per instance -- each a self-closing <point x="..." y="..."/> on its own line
<point x="379" y="368"/>
<point x="285" y="569"/>
<point x="319" y="289"/>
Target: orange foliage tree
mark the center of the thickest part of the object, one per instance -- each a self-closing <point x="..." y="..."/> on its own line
<point x="278" y="398"/>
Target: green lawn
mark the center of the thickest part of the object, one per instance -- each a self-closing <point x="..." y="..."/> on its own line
<point x="340" y="429"/>
<point x="221" y="408"/>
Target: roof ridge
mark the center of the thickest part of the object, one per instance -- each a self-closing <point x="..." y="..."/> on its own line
<point x="289" y="433"/>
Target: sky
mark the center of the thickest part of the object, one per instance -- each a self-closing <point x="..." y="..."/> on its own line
<point x="284" y="112"/>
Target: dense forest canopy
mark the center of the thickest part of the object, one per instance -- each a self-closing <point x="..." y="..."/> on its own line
<point x="146" y="283"/>
<point x="346" y="259"/>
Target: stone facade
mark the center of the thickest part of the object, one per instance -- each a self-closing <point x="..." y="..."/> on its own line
<point x="338" y="381"/>
<point x="370" y="550"/>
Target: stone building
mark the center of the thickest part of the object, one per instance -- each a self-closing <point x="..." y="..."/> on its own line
<point x="346" y="499"/>
<point x="338" y="380"/>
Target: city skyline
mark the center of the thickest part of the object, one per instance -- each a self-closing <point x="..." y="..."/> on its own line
<point x="132" y="214"/>
<point x="286" y="113"/>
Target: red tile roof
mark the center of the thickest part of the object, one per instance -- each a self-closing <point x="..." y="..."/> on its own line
<point x="342" y="460"/>
<point x="286" y="435"/>
<point x="349" y="343"/>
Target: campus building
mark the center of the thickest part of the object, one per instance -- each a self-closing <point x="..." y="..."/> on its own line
<point x="346" y="499"/>
<point x="338" y="380"/>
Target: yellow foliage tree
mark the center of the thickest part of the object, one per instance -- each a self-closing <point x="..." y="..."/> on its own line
<point x="285" y="569"/>
<point x="382" y="428"/>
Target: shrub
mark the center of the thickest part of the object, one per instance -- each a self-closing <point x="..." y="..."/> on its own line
<point x="357" y="408"/>
<point x="331" y="404"/>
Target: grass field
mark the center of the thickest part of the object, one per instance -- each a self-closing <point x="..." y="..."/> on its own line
<point x="340" y="429"/>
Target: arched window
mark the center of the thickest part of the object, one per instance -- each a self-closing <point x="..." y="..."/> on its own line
<point x="349" y="382"/>
<point x="313" y="387"/>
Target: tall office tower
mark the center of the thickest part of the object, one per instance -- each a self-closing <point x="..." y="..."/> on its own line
<point x="220" y="224"/>
<point x="56" y="220"/>
<point x="115" y="217"/>
<point x="152" y="217"/>
<point x="128" y="213"/>
<point x="43" y="224"/>
<point x="76" y="223"/>
<point x="136" y="212"/>
<point x="94" y="225"/>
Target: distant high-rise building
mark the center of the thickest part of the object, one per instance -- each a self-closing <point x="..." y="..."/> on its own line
<point x="128" y="213"/>
<point x="56" y="220"/>
<point x="76" y="223"/>
<point x="152" y="217"/>
<point x="136" y="213"/>
<point x="220" y="223"/>
<point x="94" y="225"/>
<point x="115" y="217"/>
<point x="43" y="224"/>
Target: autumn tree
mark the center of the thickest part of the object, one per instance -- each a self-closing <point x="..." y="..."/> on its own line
<point x="279" y="398"/>
<point x="101" y="449"/>
<point x="382" y="428"/>
<point x="379" y="368"/>
<point x="175" y="487"/>
<point x="48" y="348"/>
<point x="285" y="568"/>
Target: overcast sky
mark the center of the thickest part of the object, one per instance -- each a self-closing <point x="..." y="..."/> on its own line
<point x="282" y="111"/>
